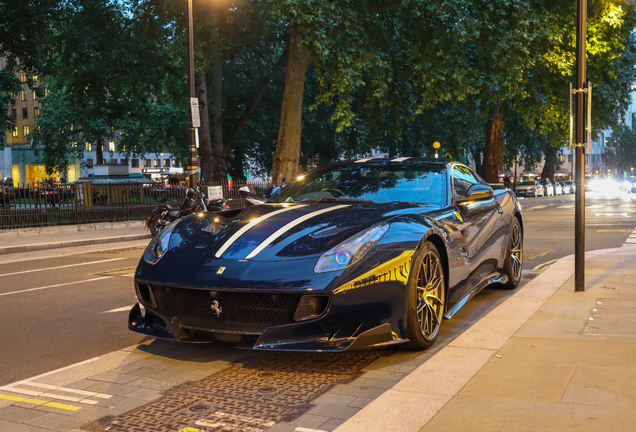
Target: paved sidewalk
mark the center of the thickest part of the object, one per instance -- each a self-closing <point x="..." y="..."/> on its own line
<point x="33" y="239"/>
<point x="545" y="359"/>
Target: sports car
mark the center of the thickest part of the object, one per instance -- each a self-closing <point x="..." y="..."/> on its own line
<point x="351" y="255"/>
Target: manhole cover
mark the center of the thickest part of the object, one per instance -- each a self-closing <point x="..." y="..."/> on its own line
<point x="125" y="272"/>
<point x="268" y="388"/>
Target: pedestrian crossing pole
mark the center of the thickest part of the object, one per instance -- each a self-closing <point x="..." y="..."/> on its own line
<point x="579" y="144"/>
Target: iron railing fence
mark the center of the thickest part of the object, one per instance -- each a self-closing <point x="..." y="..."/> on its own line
<point x="37" y="204"/>
<point x="231" y="192"/>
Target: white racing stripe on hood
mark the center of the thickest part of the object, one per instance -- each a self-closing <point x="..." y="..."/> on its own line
<point x="249" y="226"/>
<point x="289" y="226"/>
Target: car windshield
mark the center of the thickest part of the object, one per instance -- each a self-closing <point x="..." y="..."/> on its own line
<point x="527" y="183"/>
<point x="378" y="182"/>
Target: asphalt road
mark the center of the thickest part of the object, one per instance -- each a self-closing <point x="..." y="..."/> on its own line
<point x="61" y="310"/>
<point x="549" y="225"/>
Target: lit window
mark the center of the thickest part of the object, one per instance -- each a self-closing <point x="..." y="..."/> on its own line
<point x="24" y="95"/>
<point x="26" y="131"/>
<point x="35" y="77"/>
<point x="157" y="163"/>
<point x="166" y="163"/>
<point x="15" y="131"/>
<point x="111" y="146"/>
<point x="89" y="163"/>
<point x="89" y="146"/>
<point x="36" y="112"/>
<point x="23" y="78"/>
<point x="147" y="163"/>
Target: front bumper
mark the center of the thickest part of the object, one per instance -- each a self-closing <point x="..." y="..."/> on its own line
<point x="283" y="338"/>
<point x="356" y="319"/>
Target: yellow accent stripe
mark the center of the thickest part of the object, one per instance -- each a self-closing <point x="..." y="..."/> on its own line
<point x="396" y="269"/>
<point x="40" y="402"/>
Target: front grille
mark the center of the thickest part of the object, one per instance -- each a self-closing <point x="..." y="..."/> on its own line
<point x="245" y="312"/>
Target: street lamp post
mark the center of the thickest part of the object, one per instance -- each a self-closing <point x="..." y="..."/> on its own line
<point x="436" y="146"/>
<point x="580" y="138"/>
<point x="193" y="158"/>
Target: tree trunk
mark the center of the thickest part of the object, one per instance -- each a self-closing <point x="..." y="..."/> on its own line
<point x="205" y="143"/>
<point x="493" y="151"/>
<point x="99" y="151"/>
<point x="219" y="160"/>
<point x="287" y="156"/>
<point x="550" y="162"/>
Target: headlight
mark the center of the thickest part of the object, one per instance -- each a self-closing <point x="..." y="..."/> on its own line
<point x="351" y="251"/>
<point x="159" y="245"/>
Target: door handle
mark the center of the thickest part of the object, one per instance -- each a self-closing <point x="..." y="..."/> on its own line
<point x="500" y="210"/>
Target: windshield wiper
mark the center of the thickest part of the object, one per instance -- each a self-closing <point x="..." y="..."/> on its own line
<point x="338" y="200"/>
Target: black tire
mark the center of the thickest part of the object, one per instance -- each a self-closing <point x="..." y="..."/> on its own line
<point x="514" y="255"/>
<point x="152" y="224"/>
<point x="427" y="296"/>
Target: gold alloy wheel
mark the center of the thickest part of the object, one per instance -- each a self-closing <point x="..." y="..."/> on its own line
<point x="430" y="295"/>
<point x="516" y="252"/>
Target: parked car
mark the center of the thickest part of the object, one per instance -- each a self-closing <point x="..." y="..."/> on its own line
<point x="570" y="186"/>
<point x="351" y="255"/>
<point x="530" y="188"/>
<point x="548" y="188"/>
<point x="558" y="188"/>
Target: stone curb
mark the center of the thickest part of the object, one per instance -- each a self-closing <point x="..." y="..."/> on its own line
<point x="71" y="243"/>
<point x="71" y="228"/>
<point x="411" y="403"/>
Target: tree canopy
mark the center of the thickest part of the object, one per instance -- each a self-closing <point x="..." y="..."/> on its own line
<point x="283" y="84"/>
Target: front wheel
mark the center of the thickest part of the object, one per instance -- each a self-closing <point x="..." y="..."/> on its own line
<point x="514" y="255"/>
<point x="427" y="295"/>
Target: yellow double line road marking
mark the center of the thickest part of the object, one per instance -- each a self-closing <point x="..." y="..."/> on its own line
<point x="40" y="402"/>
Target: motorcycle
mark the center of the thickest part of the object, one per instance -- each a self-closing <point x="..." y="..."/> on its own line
<point x="252" y="199"/>
<point x="194" y="202"/>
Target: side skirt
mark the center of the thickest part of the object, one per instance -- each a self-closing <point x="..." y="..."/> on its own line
<point x="495" y="277"/>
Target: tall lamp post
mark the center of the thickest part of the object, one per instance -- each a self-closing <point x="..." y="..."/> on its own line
<point x="195" y="121"/>
<point x="580" y="143"/>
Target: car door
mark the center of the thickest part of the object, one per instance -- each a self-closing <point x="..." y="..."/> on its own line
<point x="479" y="227"/>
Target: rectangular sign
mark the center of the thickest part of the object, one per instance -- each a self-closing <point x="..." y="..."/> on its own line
<point x="194" y="106"/>
<point x="154" y="170"/>
<point x="215" y="192"/>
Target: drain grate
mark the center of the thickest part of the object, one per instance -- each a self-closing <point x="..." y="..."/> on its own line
<point x="268" y="388"/>
<point x="125" y="272"/>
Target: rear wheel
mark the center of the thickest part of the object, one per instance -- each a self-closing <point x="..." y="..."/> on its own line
<point x="514" y="255"/>
<point x="152" y="224"/>
<point x="427" y="295"/>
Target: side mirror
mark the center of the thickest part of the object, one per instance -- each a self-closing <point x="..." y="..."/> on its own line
<point x="477" y="192"/>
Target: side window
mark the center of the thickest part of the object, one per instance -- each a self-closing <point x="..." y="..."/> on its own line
<point x="463" y="178"/>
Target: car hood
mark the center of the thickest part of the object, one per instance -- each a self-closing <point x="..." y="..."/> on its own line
<point x="279" y="232"/>
<point x="524" y="187"/>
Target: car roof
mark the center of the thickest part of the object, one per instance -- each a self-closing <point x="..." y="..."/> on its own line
<point x="384" y="160"/>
